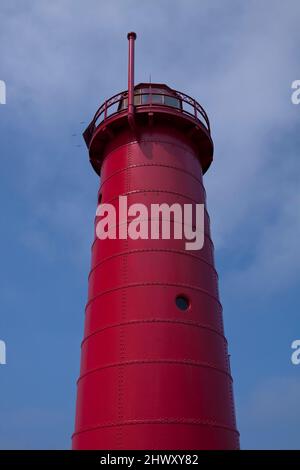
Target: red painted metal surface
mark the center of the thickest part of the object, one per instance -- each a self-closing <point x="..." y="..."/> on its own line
<point x="153" y="376"/>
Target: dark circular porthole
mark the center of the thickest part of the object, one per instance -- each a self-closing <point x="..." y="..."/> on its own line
<point x="182" y="302"/>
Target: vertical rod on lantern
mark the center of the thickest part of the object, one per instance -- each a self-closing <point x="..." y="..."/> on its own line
<point x="131" y="38"/>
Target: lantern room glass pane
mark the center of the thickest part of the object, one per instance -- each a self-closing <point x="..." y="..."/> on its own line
<point x="145" y="99"/>
<point x="123" y="103"/>
<point x="171" y="101"/>
<point x="157" y="99"/>
<point x="137" y="99"/>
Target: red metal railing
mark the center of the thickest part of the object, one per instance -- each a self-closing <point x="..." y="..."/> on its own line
<point x="118" y="104"/>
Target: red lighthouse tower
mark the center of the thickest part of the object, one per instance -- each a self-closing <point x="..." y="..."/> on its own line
<point x="155" y="370"/>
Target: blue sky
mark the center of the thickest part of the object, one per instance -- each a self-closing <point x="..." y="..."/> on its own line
<point x="60" y="60"/>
